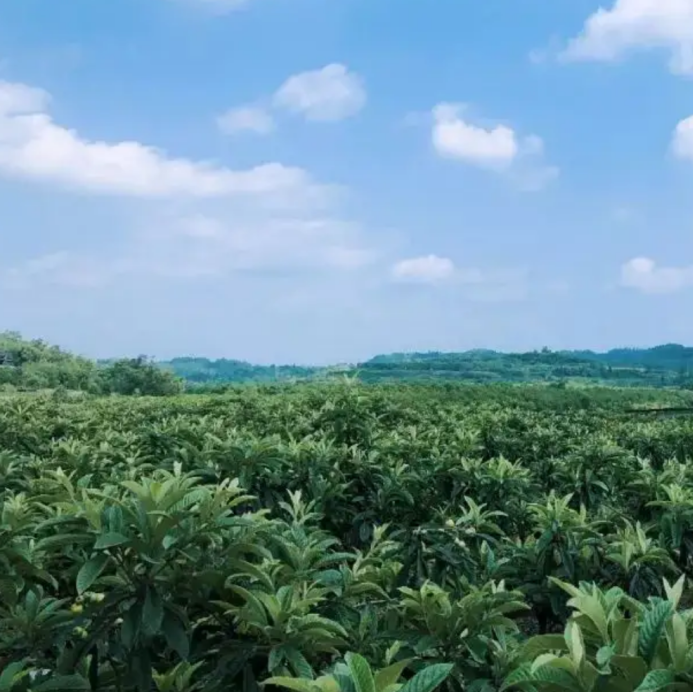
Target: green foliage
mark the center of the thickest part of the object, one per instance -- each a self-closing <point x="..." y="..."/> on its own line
<point x="203" y="371"/>
<point x="35" y="365"/>
<point x="612" y="642"/>
<point x="339" y="537"/>
<point x="137" y="376"/>
<point x="669" y="364"/>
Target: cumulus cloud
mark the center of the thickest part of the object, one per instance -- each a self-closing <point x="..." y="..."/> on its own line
<point x="643" y="274"/>
<point x="426" y="269"/>
<point x="468" y="283"/>
<point x="630" y="25"/>
<point x="33" y="146"/>
<point x="252" y="119"/>
<point x="328" y="94"/>
<point x="496" y="148"/>
<point x="209" y="244"/>
<point x="457" y="139"/>
<point x="212" y="244"/>
<point x="198" y="219"/>
<point x="682" y="143"/>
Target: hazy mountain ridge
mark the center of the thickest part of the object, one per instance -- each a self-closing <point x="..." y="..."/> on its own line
<point x="36" y="364"/>
<point x="665" y="365"/>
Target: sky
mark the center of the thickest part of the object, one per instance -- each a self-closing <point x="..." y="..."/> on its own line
<point x="318" y="181"/>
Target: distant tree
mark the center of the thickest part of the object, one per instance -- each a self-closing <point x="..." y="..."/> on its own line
<point x="38" y="365"/>
<point x="138" y="376"/>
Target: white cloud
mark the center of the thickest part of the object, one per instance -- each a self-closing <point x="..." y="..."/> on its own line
<point x="610" y="34"/>
<point x="426" y="269"/>
<point x="33" y="146"/>
<point x="454" y="138"/>
<point x="329" y="94"/>
<point x="496" y="148"/>
<point x="18" y="98"/>
<point x="643" y="274"/>
<point x="219" y="244"/>
<point x="682" y="143"/>
<point x="199" y="221"/>
<point x="246" y="119"/>
<point x="208" y="245"/>
<point x="469" y="283"/>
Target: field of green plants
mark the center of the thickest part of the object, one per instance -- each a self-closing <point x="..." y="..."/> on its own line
<point x="347" y="538"/>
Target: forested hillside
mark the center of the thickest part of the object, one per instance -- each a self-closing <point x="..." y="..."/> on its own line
<point x="35" y="365"/>
<point x="32" y="365"/>
<point x="669" y="365"/>
<point x="203" y="370"/>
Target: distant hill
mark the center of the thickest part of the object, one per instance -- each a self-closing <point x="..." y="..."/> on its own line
<point x="666" y="357"/>
<point x="205" y="371"/>
<point x="35" y="364"/>
<point x="666" y="365"/>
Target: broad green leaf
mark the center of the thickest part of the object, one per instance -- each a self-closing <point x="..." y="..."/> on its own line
<point x="10" y="673"/>
<point x="254" y="605"/>
<point x="90" y="571"/>
<point x="130" y="628"/>
<point x="675" y="592"/>
<point x="652" y="627"/>
<point x="31" y="605"/>
<point x="176" y="635"/>
<point x="624" y="635"/>
<point x="591" y="607"/>
<point x="343" y="677"/>
<point x="656" y="680"/>
<point x="543" y="642"/>
<point x="62" y="540"/>
<point x="361" y="672"/>
<point x="588" y="675"/>
<point x="633" y="667"/>
<point x="110" y="540"/>
<point x="298" y="662"/>
<point x="330" y="577"/>
<point x="243" y="568"/>
<point x="568" y="588"/>
<point x="428" y="679"/>
<point x="549" y="658"/>
<point x="275" y="658"/>
<point x="390" y="675"/>
<point x="295" y="684"/>
<point x="677" y="638"/>
<point x="60" y="683"/>
<point x="152" y="612"/>
<point x="604" y="655"/>
<point x="522" y="675"/>
<point x="327" y="683"/>
<point x="573" y="636"/>
<point x="557" y="677"/>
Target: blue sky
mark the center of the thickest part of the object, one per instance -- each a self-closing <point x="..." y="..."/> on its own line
<point x="323" y="180"/>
